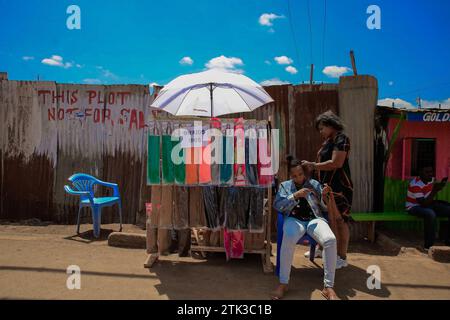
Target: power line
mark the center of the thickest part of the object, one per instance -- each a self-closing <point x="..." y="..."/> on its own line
<point x="294" y="38"/>
<point x="310" y="31"/>
<point x="324" y="31"/>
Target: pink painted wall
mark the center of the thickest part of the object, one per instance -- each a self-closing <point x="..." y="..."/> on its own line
<point x="412" y="129"/>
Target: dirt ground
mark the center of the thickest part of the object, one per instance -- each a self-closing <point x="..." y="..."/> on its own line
<point x="34" y="259"/>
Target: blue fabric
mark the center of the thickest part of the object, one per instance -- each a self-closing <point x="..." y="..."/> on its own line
<point x="285" y="205"/>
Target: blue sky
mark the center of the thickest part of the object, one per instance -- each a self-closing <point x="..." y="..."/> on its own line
<point x="144" y="42"/>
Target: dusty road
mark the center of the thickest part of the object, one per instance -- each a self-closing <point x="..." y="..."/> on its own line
<point x="33" y="262"/>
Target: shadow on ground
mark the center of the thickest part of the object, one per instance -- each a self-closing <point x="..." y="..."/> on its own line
<point x="88" y="236"/>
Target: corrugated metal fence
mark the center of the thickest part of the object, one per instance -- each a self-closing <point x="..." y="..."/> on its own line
<point x="49" y="131"/>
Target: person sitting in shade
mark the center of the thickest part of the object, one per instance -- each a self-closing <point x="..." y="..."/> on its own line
<point x="299" y="200"/>
<point x="421" y="202"/>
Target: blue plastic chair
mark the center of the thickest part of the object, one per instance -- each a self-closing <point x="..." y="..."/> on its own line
<point x="84" y="187"/>
<point x="312" y="243"/>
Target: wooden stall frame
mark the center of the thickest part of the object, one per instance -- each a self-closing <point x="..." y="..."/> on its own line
<point x="265" y="253"/>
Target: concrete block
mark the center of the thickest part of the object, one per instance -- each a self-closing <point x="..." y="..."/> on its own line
<point x="127" y="240"/>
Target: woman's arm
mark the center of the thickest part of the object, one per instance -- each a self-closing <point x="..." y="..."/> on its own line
<point x="284" y="200"/>
<point x="336" y="162"/>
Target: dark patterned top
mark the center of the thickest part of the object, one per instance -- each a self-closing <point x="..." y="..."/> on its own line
<point x="340" y="179"/>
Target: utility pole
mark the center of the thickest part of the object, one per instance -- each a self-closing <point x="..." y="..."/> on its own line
<point x="352" y="58"/>
<point x="311" y="75"/>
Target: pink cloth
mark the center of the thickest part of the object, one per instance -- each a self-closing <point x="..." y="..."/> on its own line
<point x="239" y="143"/>
<point x="264" y="149"/>
<point x="234" y="244"/>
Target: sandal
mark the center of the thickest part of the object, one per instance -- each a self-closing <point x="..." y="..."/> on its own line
<point x="329" y="294"/>
<point x="279" y="293"/>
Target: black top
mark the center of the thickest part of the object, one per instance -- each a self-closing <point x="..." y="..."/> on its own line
<point x="340" y="179"/>
<point x="302" y="211"/>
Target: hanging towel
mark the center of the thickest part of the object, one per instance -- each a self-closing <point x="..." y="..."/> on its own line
<point x="239" y="164"/>
<point x="226" y="167"/>
<point x="233" y="244"/>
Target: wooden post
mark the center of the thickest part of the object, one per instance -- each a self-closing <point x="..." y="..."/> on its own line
<point x="267" y="264"/>
<point x="352" y="58"/>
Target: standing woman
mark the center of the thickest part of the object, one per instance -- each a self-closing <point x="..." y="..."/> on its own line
<point x="333" y="169"/>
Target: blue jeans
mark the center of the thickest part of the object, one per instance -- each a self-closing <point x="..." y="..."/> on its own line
<point x="436" y="209"/>
<point x="319" y="230"/>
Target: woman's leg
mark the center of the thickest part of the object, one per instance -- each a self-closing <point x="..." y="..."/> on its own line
<point x="293" y="230"/>
<point x="321" y="232"/>
<point x="343" y="237"/>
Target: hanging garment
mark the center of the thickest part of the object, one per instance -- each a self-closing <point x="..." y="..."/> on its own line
<point x="179" y="165"/>
<point x="212" y="207"/>
<point x="216" y="152"/>
<point x="205" y="161"/>
<point x="226" y="168"/>
<point x="181" y="208"/>
<point x="239" y="164"/>
<point x="168" y="167"/>
<point x="193" y="155"/>
<point x="153" y="153"/>
<point x="234" y="206"/>
<point x="264" y="156"/>
<point x="197" y="217"/>
<point x="233" y="244"/>
<point x="251" y="155"/>
<point x="205" y="167"/>
<point x="256" y="210"/>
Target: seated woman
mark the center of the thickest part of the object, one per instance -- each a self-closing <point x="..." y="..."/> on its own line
<point x="299" y="200"/>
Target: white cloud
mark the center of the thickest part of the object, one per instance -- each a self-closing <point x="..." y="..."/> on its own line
<point x="107" y="74"/>
<point x="397" y="103"/>
<point x="186" y="61"/>
<point x="27" y="58"/>
<point x="445" y="104"/>
<point x="273" y="82"/>
<point x="335" y="71"/>
<point x="57" y="61"/>
<point x="266" y="19"/>
<point x="391" y="83"/>
<point x="283" y="60"/>
<point x="92" y="81"/>
<point x="225" y="63"/>
<point x="425" y="104"/>
<point x="291" y="69"/>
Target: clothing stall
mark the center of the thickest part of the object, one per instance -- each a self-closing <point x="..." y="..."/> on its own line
<point x="211" y="174"/>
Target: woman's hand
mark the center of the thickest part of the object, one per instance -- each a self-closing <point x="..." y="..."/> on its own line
<point x="326" y="190"/>
<point x="302" y="193"/>
<point x="311" y="165"/>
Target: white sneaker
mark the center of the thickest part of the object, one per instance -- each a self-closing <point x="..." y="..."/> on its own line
<point x="317" y="254"/>
<point x="341" y="263"/>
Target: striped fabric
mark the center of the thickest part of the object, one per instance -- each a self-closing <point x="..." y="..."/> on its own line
<point x="417" y="189"/>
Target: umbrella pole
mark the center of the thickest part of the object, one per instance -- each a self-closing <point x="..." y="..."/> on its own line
<point x="211" y="97"/>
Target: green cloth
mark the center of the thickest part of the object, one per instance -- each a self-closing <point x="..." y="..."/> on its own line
<point x="168" y="167"/>
<point x="153" y="148"/>
<point x="180" y="169"/>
